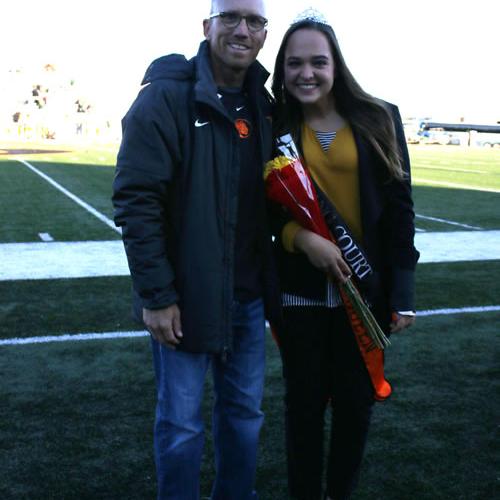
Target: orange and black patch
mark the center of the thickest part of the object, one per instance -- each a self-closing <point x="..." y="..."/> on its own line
<point x="243" y="127"/>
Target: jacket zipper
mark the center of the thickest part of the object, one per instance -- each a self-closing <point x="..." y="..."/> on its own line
<point x="228" y="308"/>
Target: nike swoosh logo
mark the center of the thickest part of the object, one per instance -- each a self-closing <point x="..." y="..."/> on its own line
<point x="197" y="123"/>
<point x="240" y="108"/>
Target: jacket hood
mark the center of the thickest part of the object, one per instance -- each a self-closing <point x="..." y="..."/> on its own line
<point x="171" y="67"/>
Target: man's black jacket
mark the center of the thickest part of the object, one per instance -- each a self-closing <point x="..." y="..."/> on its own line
<point x="175" y="195"/>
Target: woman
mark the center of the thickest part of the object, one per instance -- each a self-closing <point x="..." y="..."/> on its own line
<point x="354" y="148"/>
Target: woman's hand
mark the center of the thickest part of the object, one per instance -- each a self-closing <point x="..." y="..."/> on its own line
<point x="322" y="254"/>
<point x="400" y="322"/>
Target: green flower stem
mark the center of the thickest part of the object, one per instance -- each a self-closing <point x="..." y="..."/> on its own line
<point x="365" y="315"/>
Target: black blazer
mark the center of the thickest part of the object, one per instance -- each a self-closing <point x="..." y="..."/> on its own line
<point x="387" y="219"/>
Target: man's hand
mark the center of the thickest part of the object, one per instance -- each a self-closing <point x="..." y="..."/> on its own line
<point x="323" y="254"/>
<point x="164" y="324"/>
<point x="400" y="322"/>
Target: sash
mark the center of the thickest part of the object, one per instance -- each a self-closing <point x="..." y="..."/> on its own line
<point x="366" y="278"/>
<point x="368" y="282"/>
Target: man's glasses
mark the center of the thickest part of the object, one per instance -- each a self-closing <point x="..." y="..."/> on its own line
<point x="232" y="19"/>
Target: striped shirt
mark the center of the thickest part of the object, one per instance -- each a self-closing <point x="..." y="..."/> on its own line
<point x="332" y="298"/>
<point x="325" y="138"/>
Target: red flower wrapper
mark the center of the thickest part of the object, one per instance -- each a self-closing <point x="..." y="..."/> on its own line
<point x="288" y="184"/>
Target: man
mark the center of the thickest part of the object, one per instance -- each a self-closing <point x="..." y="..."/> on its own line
<point x="188" y="194"/>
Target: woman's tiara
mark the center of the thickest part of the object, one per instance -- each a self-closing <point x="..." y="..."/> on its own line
<point x="311" y="14"/>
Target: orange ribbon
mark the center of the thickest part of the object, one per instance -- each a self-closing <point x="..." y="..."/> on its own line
<point x="372" y="355"/>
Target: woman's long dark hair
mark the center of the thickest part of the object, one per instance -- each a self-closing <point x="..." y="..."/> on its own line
<point x="367" y="115"/>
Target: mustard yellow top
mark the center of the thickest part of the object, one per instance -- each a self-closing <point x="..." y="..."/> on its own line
<point x="336" y="173"/>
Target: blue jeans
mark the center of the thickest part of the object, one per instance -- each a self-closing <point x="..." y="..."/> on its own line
<point x="237" y="418"/>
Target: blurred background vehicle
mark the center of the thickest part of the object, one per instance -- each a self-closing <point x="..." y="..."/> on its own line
<point x="488" y="140"/>
<point x="438" y="135"/>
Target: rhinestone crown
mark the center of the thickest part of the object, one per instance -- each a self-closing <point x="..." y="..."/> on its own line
<point x="311" y="14"/>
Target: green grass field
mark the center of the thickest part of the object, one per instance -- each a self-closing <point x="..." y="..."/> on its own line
<point x="76" y="417"/>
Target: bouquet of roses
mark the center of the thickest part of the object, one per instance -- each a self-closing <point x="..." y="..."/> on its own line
<point x="288" y="183"/>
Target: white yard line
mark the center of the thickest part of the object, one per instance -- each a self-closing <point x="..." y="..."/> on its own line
<point x="82" y="259"/>
<point x="68" y="337"/>
<point x="445" y="221"/>
<point x="418" y="180"/>
<point x="458" y="246"/>
<point x="463" y="310"/>
<point x="73" y="197"/>
<point x="55" y="260"/>
<point x="451" y="169"/>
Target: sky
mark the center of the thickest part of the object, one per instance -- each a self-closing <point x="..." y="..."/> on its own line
<point x="436" y="58"/>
